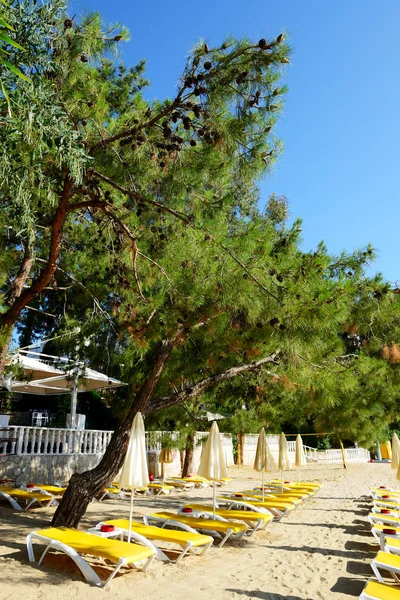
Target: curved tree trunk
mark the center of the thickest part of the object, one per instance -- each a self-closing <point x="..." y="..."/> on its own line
<point x="83" y="487"/>
<point x="188" y="462"/>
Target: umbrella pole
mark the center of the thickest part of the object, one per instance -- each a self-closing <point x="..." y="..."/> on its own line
<point x="299" y="474"/>
<point x="130" y="517"/>
<point x="74" y="396"/>
<point x="214" y="497"/>
<point x="262" y="483"/>
<point x="282" y="480"/>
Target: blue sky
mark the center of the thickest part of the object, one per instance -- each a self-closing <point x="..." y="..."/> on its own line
<point x="340" y="125"/>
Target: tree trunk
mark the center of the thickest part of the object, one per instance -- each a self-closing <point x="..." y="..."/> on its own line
<point x="188" y="462"/>
<point x="83" y="487"/>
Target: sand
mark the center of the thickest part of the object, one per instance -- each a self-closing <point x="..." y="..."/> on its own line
<point x="321" y="551"/>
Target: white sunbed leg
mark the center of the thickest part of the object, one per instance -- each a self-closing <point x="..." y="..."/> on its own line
<point x="376" y="572"/>
<point x="224" y="539"/>
<point x="29" y="548"/>
<point x="205" y="548"/>
<point x="11" y="500"/>
<point x="159" y="554"/>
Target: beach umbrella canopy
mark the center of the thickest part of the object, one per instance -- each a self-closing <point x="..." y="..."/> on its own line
<point x="165" y="458"/>
<point x="263" y="461"/>
<point x="395" y="452"/>
<point x="212" y="464"/>
<point x="134" y="472"/>
<point x="284" y="460"/>
<point x="300" y="458"/>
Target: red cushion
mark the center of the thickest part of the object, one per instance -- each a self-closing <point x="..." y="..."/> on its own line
<point x="107" y="528"/>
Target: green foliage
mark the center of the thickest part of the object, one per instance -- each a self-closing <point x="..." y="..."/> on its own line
<point x="162" y="237"/>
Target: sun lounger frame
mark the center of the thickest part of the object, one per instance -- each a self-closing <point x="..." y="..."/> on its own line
<point x="179" y="525"/>
<point x="160" y="554"/>
<point x="89" y="574"/>
<point x="277" y="513"/>
<point x="33" y="500"/>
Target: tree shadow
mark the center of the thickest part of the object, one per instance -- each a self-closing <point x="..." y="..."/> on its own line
<point x="265" y="595"/>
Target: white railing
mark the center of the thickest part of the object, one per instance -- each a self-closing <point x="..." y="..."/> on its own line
<point x="48" y="440"/>
<point x="351" y="455"/>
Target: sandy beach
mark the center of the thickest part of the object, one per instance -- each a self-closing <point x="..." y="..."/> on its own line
<point x="321" y="551"/>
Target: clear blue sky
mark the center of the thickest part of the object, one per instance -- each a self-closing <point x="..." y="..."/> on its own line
<point x="340" y="127"/>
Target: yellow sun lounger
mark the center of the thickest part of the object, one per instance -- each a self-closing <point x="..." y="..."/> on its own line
<point x="295" y="491"/>
<point x="220" y="529"/>
<point x="74" y="543"/>
<point x="199" y="482"/>
<point x="253" y="520"/>
<point x="386" y="562"/>
<point x="302" y="484"/>
<point x="149" y="534"/>
<point x="15" y="496"/>
<point x="375" y="517"/>
<point x="379" y="591"/>
<point x="292" y="497"/>
<point x="277" y="508"/>
<point x="180" y="485"/>
<point x="111" y="493"/>
<point x="380" y="535"/>
<point x="160" y="488"/>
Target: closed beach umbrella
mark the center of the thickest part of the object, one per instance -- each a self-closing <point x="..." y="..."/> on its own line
<point x="284" y="460"/>
<point x="263" y="461"/>
<point x="212" y="464"/>
<point x="395" y="452"/>
<point x="165" y="458"/>
<point x="134" y="472"/>
<point x="300" y="458"/>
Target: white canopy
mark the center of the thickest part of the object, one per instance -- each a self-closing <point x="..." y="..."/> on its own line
<point x="44" y="379"/>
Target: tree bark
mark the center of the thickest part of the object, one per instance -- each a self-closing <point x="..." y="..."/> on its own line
<point x="20" y="297"/>
<point x="188" y="462"/>
<point x="83" y="487"/>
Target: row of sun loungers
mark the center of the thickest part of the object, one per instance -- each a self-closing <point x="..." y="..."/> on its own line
<point x="385" y="522"/>
<point x="192" y="529"/>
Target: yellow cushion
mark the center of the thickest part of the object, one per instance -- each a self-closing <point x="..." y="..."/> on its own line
<point x="167" y="535"/>
<point x="392" y="560"/>
<point x="243" y="515"/>
<point x="268" y="503"/>
<point x="159" y="486"/>
<point x="382" y="591"/>
<point x="291" y="499"/>
<point x="87" y="543"/>
<point x="381" y="527"/>
<point x="383" y="516"/>
<point x="52" y="489"/>
<point x="202" y="523"/>
<point x="17" y="493"/>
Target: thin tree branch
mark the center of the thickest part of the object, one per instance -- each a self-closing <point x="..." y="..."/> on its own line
<point x="199" y="387"/>
<point x="139" y="198"/>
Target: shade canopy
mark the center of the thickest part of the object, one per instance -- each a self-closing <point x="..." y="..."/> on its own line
<point x="212" y="464"/>
<point x="263" y="461"/>
<point x="134" y="472"/>
<point x="395" y="452"/>
<point x="300" y="458"/>
<point x="284" y="460"/>
<point x="165" y="456"/>
<point x="44" y="379"/>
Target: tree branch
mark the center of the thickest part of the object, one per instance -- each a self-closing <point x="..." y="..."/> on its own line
<point x="199" y="387"/>
<point x="139" y="198"/>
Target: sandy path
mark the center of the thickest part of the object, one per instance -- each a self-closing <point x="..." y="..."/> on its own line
<point x="322" y="551"/>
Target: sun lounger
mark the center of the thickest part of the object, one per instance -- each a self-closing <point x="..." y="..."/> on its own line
<point x="160" y="488"/>
<point x="303" y="484"/>
<point x="253" y="520"/>
<point x="386" y="562"/>
<point x="379" y="591"/>
<point x="75" y="543"/>
<point x="375" y="517"/>
<point x="199" y="482"/>
<point x="16" y="496"/>
<point x="293" y="497"/>
<point x="379" y="531"/>
<point x="111" y="493"/>
<point x="298" y="492"/>
<point x="278" y="509"/>
<point x="220" y="529"/>
<point x="180" y="485"/>
<point x="148" y="535"/>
